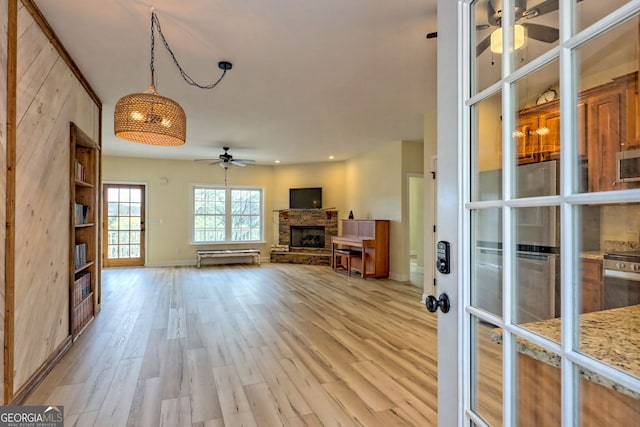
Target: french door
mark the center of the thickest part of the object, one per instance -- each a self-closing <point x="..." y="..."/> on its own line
<point x="532" y="123"/>
<point x="123" y="225"/>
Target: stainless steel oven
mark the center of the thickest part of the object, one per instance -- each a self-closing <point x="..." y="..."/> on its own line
<point x="538" y="241"/>
<point x="621" y="279"/>
<point x="536" y="283"/>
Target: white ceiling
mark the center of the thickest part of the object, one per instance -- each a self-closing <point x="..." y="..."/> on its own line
<point x="310" y="79"/>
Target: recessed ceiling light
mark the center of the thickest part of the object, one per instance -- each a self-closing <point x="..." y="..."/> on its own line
<point x="331" y="157"/>
<point x="276" y="161"/>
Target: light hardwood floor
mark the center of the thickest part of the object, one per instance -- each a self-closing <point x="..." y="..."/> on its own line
<point x="272" y="345"/>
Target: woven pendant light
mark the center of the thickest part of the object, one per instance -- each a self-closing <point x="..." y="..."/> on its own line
<point x="149" y="118"/>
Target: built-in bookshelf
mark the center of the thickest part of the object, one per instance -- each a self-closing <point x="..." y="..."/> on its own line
<point x="85" y="221"/>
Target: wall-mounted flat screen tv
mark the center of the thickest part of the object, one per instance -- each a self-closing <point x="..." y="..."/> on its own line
<point x="305" y="198"/>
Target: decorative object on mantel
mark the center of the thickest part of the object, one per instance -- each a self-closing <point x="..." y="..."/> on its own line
<point x="350" y="214"/>
<point x="149" y="118"/>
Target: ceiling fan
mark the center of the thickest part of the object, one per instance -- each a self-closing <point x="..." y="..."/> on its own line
<point x="538" y="32"/>
<point x="225" y="160"/>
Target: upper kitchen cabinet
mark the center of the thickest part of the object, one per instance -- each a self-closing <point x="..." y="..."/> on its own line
<point x="607" y="125"/>
<point x="537" y="133"/>
<point x="604" y="137"/>
<point x="607" y="78"/>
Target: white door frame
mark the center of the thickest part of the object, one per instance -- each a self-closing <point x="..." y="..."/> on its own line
<point x="449" y="218"/>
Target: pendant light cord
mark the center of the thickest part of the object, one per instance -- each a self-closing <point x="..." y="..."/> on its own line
<point x="155" y="23"/>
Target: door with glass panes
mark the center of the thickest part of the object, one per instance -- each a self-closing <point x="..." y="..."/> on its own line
<point x="546" y="244"/>
<point x="123" y="228"/>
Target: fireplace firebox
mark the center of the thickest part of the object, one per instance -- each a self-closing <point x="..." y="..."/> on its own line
<point x="307" y="237"/>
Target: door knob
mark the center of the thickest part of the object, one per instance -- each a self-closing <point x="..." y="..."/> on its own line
<point x="443" y="302"/>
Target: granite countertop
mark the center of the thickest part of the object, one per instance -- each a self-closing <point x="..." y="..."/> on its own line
<point x="599" y="255"/>
<point x="612" y="336"/>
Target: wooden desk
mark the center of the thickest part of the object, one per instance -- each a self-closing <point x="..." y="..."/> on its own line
<point x="372" y="238"/>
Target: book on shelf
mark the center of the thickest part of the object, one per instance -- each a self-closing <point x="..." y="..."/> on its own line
<point x="81" y="287"/>
<point x="80" y="171"/>
<point x="81" y="214"/>
<point x="80" y="255"/>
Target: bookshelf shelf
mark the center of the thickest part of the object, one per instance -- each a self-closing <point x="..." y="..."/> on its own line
<point x="84" y="251"/>
<point x="83" y="184"/>
<point x="83" y="267"/>
<point x="86" y="297"/>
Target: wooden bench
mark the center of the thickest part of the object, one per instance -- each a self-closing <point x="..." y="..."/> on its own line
<point x="344" y="258"/>
<point x="227" y="253"/>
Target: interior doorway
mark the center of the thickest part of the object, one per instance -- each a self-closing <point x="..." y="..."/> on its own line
<point x="123" y="225"/>
<point x="416" y="229"/>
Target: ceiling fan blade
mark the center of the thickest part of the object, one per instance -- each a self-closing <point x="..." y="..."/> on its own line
<point x="237" y="163"/>
<point x="205" y="160"/>
<point x="244" y="160"/>
<point x="483" y="45"/>
<point x="541" y="9"/>
<point x="542" y="33"/>
<point x="479" y="27"/>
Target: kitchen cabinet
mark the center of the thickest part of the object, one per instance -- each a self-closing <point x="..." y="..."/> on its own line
<point x="549" y="135"/>
<point x="607" y="337"/>
<point x="591" y="285"/>
<point x="607" y="122"/>
<point x="604" y="131"/>
<point x="527" y="141"/>
<point x="537" y="133"/>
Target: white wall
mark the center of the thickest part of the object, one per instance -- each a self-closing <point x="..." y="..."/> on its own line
<point x="416" y="219"/>
<point x="168" y="191"/>
<point x="372" y="185"/>
<point x="329" y="175"/>
<point x="377" y="189"/>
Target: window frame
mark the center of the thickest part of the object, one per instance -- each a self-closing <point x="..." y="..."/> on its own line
<point x="228" y="215"/>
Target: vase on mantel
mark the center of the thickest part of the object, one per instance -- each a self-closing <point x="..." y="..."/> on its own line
<point x="350" y="214"/>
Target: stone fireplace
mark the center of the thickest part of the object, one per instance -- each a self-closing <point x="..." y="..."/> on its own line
<point x="307" y="233"/>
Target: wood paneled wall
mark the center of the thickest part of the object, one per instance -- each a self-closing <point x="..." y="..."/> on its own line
<point x="4" y="32"/>
<point x="49" y="94"/>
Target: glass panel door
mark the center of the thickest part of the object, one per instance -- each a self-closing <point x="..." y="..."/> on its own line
<point x="547" y="298"/>
<point x="123" y="242"/>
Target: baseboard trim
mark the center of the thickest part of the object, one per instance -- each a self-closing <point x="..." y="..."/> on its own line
<point x="399" y="277"/>
<point x="192" y="263"/>
<point x="41" y="373"/>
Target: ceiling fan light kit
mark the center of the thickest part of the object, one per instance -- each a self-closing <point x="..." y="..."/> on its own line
<point x="225" y="160"/>
<point x="519" y="38"/>
<point x="149" y="118"/>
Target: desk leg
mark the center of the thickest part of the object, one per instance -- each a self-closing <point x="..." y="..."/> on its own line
<point x="333" y="255"/>
<point x="364" y="262"/>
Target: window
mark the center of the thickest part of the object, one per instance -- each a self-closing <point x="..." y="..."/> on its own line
<point x="224" y="215"/>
